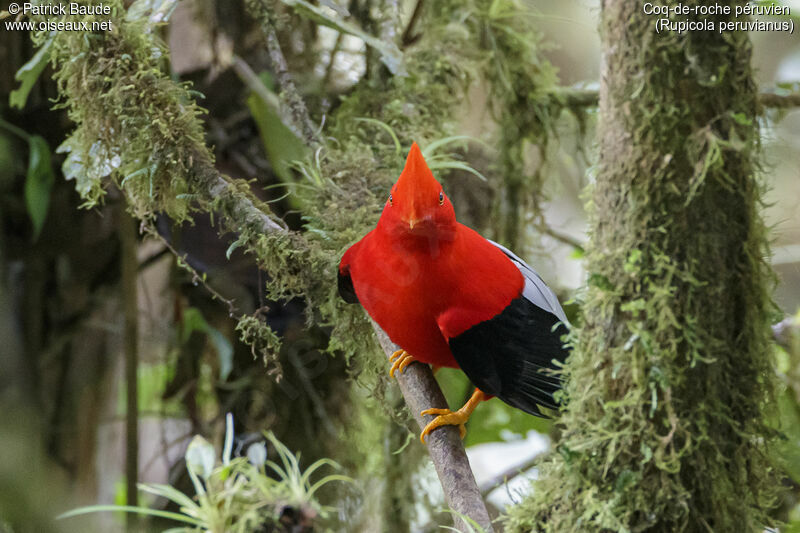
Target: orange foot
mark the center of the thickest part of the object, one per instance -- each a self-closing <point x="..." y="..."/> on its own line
<point x="449" y="418"/>
<point x="400" y="360"/>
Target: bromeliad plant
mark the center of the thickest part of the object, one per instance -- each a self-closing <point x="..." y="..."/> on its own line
<point x="236" y="495"/>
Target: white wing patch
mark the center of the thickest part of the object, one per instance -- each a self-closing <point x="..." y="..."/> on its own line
<point x="535" y="290"/>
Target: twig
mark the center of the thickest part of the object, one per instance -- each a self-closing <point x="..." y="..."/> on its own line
<point x="127" y="236"/>
<point x="255" y="84"/>
<point x="313" y="395"/>
<point x="587" y="98"/>
<point x="196" y="276"/>
<point x="337" y="46"/>
<point x="779" y="101"/>
<point x="421" y="392"/>
<point x="507" y="475"/>
<point x="559" y="236"/>
<point x="408" y="35"/>
<point x="297" y="119"/>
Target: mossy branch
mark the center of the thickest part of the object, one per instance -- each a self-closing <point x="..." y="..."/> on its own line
<point x="233" y="201"/>
<point x="779" y="101"/>
<point x="577" y="98"/>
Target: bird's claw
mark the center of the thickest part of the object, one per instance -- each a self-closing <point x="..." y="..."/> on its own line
<point x="445" y="417"/>
<point x="400" y="360"/>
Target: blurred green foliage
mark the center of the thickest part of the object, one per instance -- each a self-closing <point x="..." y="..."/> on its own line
<point x="237" y="494"/>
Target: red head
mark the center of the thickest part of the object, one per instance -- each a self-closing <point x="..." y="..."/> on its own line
<point x="417" y="205"/>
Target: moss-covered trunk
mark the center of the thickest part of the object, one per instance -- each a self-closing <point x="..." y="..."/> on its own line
<point x="665" y="428"/>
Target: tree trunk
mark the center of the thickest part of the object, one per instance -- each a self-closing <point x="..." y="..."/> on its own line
<point x="664" y="426"/>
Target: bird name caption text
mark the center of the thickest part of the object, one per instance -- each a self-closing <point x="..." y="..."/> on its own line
<point x="681" y="18"/>
<point x="54" y="13"/>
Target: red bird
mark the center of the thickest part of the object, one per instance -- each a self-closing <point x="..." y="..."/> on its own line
<point x="452" y="298"/>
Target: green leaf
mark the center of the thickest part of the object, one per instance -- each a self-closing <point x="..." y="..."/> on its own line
<point x="130" y="509"/>
<point x="472" y="525"/>
<point x="633" y="306"/>
<point x="29" y="73"/>
<point x="457" y="165"/>
<point x="227" y="448"/>
<point x="633" y="260"/>
<point x="224" y="351"/>
<point x="170" y="493"/>
<point x="234" y="245"/>
<point x="38" y="182"/>
<point x="789" y="424"/>
<point x="742" y="119"/>
<point x="431" y="149"/>
<point x="398" y="148"/>
<point x="280" y="144"/>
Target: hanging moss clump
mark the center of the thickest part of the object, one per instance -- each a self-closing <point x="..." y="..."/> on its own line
<point x="134" y="125"/>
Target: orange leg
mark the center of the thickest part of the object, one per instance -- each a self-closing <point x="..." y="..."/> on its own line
<point x="449" y="418"/>
<point x="400" y="360"/>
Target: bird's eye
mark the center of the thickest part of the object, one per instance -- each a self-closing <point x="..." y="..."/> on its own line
<point x="441" y="198"/>
<point x="390" y="198"/>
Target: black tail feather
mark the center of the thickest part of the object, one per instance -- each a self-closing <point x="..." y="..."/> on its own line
<point x="511" y="355"/>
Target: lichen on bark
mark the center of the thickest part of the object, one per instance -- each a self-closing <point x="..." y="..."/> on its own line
<point x="664" y="427"/>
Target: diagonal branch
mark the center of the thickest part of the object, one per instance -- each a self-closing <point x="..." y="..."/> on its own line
<point x="421" y="391"/>
<point x="240" y="211"/>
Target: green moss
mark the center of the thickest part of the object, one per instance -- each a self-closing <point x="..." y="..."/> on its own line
<point x="138" y="129"/>
<point x="262" y="340"/>
<point x="664" y="427"/>
<point x="133" y="123"/>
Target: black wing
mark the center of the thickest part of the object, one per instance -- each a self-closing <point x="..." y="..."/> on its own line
<point x="346" y="289"/>
<point x="512" y="355"/>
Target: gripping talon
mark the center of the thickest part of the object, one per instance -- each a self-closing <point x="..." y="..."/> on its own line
<point x="400" y="360"/>
<point x="446" y="417"/>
